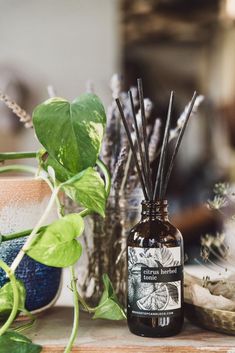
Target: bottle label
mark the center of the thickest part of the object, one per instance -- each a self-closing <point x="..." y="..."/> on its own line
<point x="154" y="281"/>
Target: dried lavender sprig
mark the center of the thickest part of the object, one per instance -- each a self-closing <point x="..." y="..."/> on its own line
<point x="126" y="170"/>
<point x="145" y="139"/>
<point x="148" y="109"/>
<point x="163" y="150"/>
<point x="112" y="138"/>
<point x="178" y="142"/>
<point x="116" y="85"/>
<point x="132" y="148"/>
<point x="119" y="169"/>
<point x="139" y="145"/>
<point x="174" y="132"/>
<point x="15" y="108"/>
<point x="154" y="141"/>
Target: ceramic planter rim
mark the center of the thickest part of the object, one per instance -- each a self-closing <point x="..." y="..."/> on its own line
<point x="20" y="178"/>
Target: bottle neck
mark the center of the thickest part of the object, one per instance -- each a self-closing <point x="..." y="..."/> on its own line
<point x="155" y="210"/>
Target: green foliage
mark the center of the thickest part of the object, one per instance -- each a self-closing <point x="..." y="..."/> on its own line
<point x="13" y="342"/>
<point x="71" y="136"/>
<point x="71" y="133"/>
<point x="62" y="174"/>
<point x="7" y="298"/>
<point x="57" y="245"/>
<point x="87" y="188"/>
<point x="109" y="306"/>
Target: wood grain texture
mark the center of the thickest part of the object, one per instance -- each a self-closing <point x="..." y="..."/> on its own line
<point x="52" y="330"/>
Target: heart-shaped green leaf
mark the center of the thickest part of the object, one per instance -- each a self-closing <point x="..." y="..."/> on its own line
<point x="45" y="161"/>
<point x="71" y="132"/>
<point x="7" y="298"/>
<point x="57" y="245"/>
<point x="13" y="342"/>
<point x="109" y="307"/>
<point x="87" y="188"/>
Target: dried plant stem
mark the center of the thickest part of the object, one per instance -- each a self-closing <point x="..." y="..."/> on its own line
<point x="16" y="109"/>
<point x="221" y="259"/>
<point x="126" y="171"/>
<point x="119" y="170"/>
<point x="178" y="142"/>
<point x="132" y="148"/>
<point x="154" y="141"/>
<point x="203" y="265"/>
<point x="138" y="139"/>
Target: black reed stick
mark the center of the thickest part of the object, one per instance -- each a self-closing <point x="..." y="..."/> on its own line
<point x="138" y="138"/>
<point x="169" y="115"/>
<point x="145" y="138"/>
<point x="132" y="147"/>
<point x="163" y="149"/>
<point x="177" y="144"/>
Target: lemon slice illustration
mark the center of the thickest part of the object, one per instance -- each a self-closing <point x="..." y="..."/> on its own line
<point x="157" y="300"/>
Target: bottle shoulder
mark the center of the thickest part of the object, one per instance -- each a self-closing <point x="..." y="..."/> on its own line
<point x="152" y="233"/>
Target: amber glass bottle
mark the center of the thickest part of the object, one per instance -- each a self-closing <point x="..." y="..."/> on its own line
<point x="155" y="274"/>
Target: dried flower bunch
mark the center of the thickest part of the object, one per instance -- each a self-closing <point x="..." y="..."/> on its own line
<point x="217" y="257"/>
<point x="116" y="144"/>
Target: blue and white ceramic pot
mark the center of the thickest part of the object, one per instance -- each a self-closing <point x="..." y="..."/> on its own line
<point x="22" y="201"/>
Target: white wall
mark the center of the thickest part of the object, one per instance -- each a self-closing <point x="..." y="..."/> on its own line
<point x="61" y="42"/>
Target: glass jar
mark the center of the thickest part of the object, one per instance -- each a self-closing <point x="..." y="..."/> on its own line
<point x="155" y="274"/>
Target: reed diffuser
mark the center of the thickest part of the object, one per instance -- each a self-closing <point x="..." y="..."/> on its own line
<point x="154" y="245"/>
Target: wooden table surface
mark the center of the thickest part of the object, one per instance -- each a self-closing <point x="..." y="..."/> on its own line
<point x="52" y="330"/>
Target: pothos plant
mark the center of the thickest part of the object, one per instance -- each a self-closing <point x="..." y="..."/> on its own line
<point x="71" y="136"/>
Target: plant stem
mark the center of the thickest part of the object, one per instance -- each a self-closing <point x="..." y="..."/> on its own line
<point x="18" y="168"/>
<point x="34" y="232"/>
<point x="85" y="212"/>
<point x="14" y="310"/>
<point x="22" y="234"/>
<point x="17" y="155"/>
<point x="59" y="206"/>
<point x="85" y="305"/>
<point x="76" y="312"/>
<point x="126" y="172"/>
<point x="107" y="177"/>
<point x="26" y="325"/>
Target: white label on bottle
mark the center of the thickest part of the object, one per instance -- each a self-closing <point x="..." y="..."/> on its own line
<point x="154" y="281"/>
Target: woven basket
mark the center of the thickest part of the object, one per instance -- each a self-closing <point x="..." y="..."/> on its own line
<point x="211" y="319"/>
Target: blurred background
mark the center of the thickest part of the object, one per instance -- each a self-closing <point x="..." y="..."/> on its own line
<point x="175" y="45"/>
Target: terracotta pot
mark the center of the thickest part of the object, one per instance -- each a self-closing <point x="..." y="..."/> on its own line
<point x="22" y="201"/>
